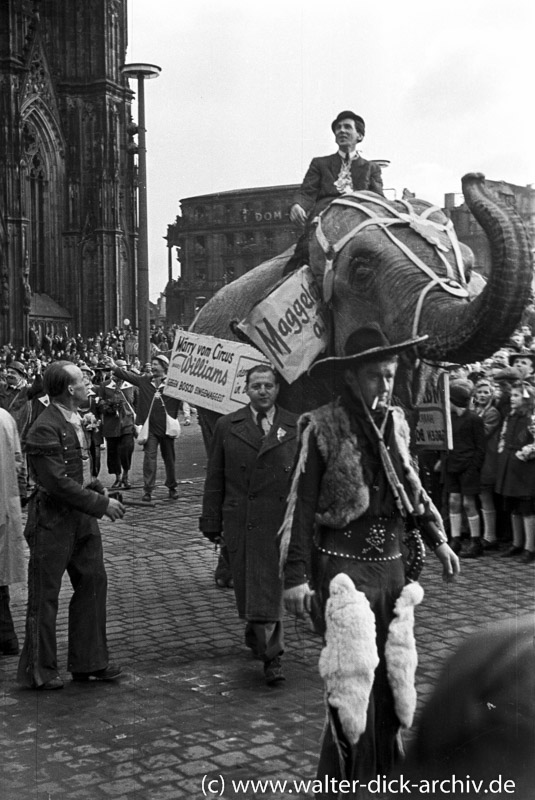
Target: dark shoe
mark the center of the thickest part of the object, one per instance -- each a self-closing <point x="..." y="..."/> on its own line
<point x="146" y="498"/>
<point x="109" y="673"/>
<point x="455" y="544"/>
<point x="173" y="494"/>
<point x="53" y="683"/>
<point x="273" y="671"/>
<point x="528" y="556"/>
<point x="117" y="483"/>
<point x="488" y="546"/>
<point x="125" y="483"/>
<point x="512" y="551"/>
<point x="9" y="647"/>
<point x="474" y="550"/>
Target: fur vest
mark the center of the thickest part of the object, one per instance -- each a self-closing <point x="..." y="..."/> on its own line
<point x="344" y="495"/>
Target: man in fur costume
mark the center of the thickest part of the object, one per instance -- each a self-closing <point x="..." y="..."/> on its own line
<point x="354" y="492"/>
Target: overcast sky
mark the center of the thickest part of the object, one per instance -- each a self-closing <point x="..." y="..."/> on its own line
<point x="249" y="88"/>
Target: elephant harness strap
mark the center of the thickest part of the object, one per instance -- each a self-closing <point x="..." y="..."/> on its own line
<point x="428" y="229"/>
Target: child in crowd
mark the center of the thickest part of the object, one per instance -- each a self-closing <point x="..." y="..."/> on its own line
<point x="515" y="479"/>
<point x="485" y="407"/>
<point x="461" y="468"/>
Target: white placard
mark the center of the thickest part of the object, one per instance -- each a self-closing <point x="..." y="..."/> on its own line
<point x="289" y="325"/>
<point x="433" y="428"/>
<point x="209" y="372"/>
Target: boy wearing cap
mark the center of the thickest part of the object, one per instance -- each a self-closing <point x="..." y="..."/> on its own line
<point x="524" y="362"/>
<point x="462" y="468"/>
<point x="15" y="396"/>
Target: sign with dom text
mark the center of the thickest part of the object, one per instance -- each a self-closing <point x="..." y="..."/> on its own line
<point x="433" y="429"/>
<point x="210" y="372"/>
<point x="289" y="325"/>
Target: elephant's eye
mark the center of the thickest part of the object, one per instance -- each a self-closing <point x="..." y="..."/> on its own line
<point x="362" y="274"/>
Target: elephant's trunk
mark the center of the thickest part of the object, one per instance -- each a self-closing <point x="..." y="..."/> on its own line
<point x="478" y="329"/>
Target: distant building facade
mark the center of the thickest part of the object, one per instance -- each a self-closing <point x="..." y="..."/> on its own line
<point x="67" y="173"/>
<point x="219" y="237"/>
<point x="470" y="232"/>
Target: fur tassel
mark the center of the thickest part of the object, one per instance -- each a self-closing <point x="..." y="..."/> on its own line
<point x="419" y="495"/>
<point x="349" y="659"/>
<point x="400" y="653"/>
<point x="285" y="531"/>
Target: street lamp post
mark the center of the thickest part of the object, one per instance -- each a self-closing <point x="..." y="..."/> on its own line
<point x="141" y="72"/>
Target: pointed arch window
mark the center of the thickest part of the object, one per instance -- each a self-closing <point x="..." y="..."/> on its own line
<point x="37" y="229"/>
<point x="42" y="174"/>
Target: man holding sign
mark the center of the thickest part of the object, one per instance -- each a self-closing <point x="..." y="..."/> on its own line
<point x="247" y="482"/>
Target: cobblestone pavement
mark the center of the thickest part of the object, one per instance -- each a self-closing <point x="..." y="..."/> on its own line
<point x="192" y="702"/>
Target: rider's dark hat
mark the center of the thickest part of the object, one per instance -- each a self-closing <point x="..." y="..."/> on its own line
<point x="368" y="343"/>
<point x="359" y="122"/>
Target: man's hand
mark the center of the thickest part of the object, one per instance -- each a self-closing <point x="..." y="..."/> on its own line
<point x="297" y="599"/>
<point x="298" y="215"/>
<point x="451" y="566"/>
<point x="115" y="509"/>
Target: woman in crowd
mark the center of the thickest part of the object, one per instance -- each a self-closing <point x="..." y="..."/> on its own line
<point x="515" y="479"/>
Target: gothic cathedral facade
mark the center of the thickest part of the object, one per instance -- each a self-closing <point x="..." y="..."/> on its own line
<point x="68" y="227"/>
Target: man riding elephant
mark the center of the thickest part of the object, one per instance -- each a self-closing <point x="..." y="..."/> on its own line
<point x="332" y="176"/>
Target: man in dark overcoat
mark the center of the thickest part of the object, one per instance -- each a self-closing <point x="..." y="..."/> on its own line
<point x="63" y="536"/>
<point x="247" y="482"/>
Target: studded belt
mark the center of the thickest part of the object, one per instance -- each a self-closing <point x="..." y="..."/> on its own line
<point x="364" y="539"/>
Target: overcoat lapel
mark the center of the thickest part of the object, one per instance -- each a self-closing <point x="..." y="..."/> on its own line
<point x="284" y="429"/>
<point x="244" y="428"/>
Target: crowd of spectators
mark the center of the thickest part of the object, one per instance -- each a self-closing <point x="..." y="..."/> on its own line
<point x="21" y="377"/>
<point x="485" y="486"/>
<point x="117" y="343"/>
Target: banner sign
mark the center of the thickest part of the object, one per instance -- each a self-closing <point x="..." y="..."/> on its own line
<point x="433" y="429"/>
<point x="210" y="372"/>
<point x="289" y="325"/>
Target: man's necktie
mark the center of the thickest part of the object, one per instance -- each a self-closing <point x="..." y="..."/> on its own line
<point x="260" y="417"/>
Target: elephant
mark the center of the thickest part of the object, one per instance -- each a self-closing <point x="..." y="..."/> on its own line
<point x="398" y="263"/>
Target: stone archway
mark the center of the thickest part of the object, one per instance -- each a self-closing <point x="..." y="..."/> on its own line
<point x="42" y="175"/>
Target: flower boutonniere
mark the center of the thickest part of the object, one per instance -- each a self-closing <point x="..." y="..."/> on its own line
<point x="281" y="433"/>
